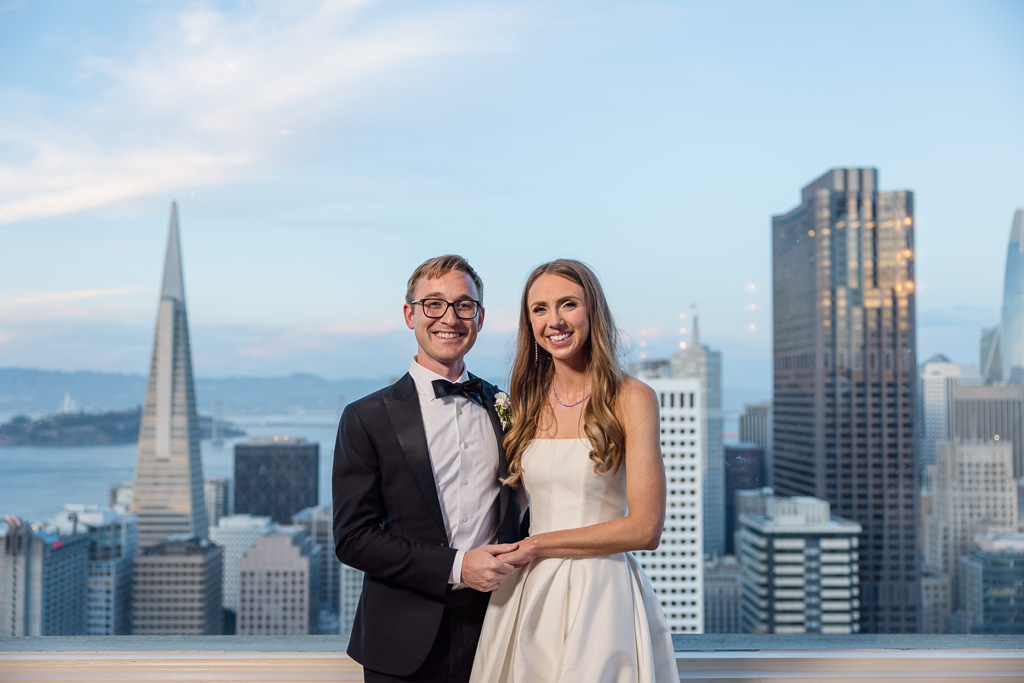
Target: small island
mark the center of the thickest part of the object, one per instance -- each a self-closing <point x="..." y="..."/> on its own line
<point x="92" y="429"/>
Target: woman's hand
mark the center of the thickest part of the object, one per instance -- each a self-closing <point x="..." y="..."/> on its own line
<point x="526" y="552"/>
<point x="641" y="528"/>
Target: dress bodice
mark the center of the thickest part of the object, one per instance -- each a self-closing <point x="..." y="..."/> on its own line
<point x="563" y="490"/>
<point x="569" y="619"/>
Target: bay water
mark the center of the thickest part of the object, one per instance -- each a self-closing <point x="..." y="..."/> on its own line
<point x="36" y="481"/>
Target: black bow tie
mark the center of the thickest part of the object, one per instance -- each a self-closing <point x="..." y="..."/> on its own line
<point x="473" y="389"/>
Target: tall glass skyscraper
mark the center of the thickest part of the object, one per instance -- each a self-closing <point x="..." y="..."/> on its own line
<point x="1011" y="345"/>
<point x="845" y="376"/>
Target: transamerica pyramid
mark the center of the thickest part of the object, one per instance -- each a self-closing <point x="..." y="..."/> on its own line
<point x="168" y="491"/>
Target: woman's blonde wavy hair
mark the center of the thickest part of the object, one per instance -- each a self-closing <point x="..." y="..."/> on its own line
<point x="532" y="376"/>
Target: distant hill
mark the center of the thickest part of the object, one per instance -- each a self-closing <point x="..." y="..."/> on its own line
<point x="36" y="393"/>
<point x="78" y="429"/>
<point x="90" y="429"/>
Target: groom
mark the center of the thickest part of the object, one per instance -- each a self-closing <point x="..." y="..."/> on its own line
<point x="417" y="501"/>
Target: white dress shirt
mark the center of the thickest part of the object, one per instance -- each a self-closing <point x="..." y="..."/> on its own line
<point x="464" y="457"/>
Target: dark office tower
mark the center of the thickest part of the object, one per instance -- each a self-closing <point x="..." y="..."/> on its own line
<point x="1011" y="344"/>
<point x="845" y="375"/>
<point x="991" y="413"/>
<point x="168" y="491"/>
<point x="756" y="427"/>
<point x="276" y="477"/>
<point x="723" y="592"/>
<point x="744" y="470"/>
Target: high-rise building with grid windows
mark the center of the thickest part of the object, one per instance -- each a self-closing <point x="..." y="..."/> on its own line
<point x="992" y="586"/>
<point x="676" y="568"/>
<point x="756" y="427"/>
<point x="799" y="566"/>
<point x="350" y="587"/>
<point x="113" y="545"/>
<point x="935" y="413"/>
<point x="177" y="588"/>
<point x="319" y="524"/>
<point x="698" y="361"/>
<point x="279" y="584"/>
<point x="974" y="492"/>
<point x="236" y="534"/>
<point x="845" y="376"/>
<point x="991" y="413"/>
<point x="43" y="580"/>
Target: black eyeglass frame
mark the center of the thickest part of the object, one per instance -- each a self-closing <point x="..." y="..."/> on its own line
<point x="449" y="304"/>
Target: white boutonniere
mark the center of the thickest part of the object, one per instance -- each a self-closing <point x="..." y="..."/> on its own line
<point x="503" y="406"/>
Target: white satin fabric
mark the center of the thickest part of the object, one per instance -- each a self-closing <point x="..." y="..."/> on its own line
<point x="558" y="620"/>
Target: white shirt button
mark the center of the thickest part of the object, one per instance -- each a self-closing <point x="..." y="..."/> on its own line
<point x="459" y="411"/>
<point x="465" y="445"/>
<point x="465" y="518"/>
<point x="465" y="482"/>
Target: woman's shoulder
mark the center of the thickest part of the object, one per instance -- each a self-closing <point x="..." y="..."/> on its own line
<point x="636" y="401"/>
<point x="633" y="389"/>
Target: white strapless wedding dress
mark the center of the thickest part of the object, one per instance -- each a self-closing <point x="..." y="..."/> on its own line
<point x="590" y="620"/>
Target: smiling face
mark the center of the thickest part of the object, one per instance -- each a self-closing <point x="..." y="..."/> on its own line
<point x="443" y="342"/>
<point x="558" y="315"/>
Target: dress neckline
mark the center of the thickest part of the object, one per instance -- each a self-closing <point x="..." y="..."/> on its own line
<point x="567" y="438"/>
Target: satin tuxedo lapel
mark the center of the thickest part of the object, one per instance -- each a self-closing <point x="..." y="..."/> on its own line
<point x="403" y="406"/>
<point x="504" y="498"/>
<point x="499" y="434"/>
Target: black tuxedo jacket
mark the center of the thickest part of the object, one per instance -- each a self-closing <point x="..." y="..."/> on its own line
<point x="388" y="523"/>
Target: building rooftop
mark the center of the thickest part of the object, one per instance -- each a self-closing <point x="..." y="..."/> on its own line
<point x="271" y="440"/>
<point x="1000" y="542"/>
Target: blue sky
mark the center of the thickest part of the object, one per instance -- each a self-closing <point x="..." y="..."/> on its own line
<point x="320" y="150"/>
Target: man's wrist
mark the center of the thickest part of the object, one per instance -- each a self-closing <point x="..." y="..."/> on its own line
<point x="455" y="578"/>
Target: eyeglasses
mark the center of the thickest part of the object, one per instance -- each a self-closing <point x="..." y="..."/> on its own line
<point x="436" y="308"/>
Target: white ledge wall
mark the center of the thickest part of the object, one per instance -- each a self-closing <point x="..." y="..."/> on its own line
<point x="712" y="658"/>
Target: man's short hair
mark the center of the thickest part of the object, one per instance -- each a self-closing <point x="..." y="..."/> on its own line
<point x="438" y="266"/>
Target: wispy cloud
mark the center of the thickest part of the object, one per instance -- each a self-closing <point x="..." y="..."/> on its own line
<point x="281" y="343"/>
<point x="210" y="96"/>
<point x="65" y="305"/>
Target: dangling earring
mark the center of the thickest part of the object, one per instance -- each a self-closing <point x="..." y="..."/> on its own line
<point x="535" y="352"/>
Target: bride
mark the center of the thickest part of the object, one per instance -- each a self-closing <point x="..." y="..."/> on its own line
<point x="584" y="450"/>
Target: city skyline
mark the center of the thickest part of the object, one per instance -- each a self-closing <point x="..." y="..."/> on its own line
<point x="320" y="151"/>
